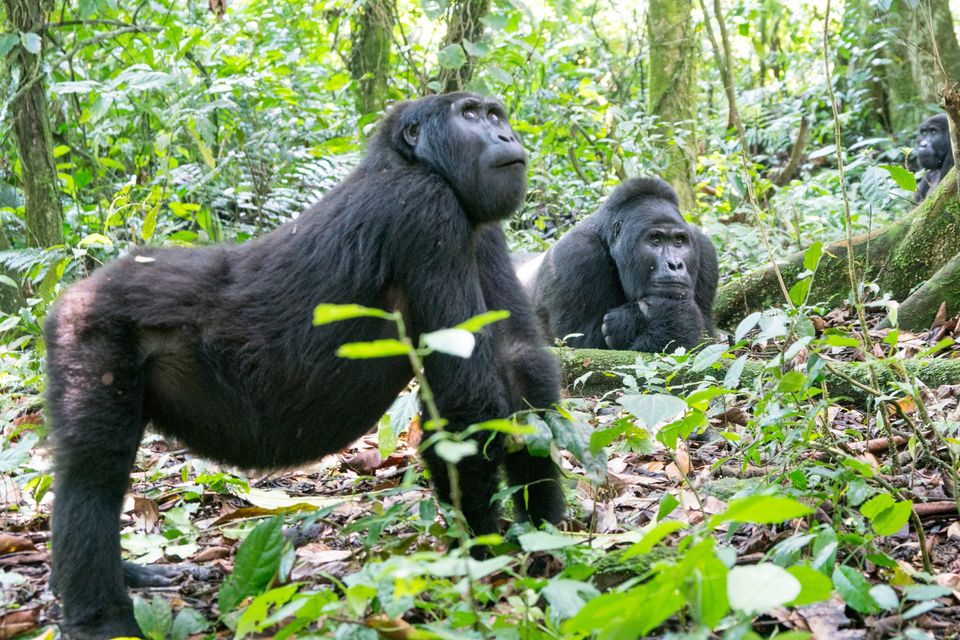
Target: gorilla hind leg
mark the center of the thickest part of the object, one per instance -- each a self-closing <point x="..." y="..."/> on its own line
<point x="541" y="498"/>
<point x="94" y="399"/>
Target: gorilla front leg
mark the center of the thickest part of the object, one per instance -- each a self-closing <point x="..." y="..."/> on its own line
<point x="477" y="483"/>
<point x="94" y="398"/>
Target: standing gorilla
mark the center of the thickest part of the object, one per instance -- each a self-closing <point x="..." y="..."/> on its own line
<point x="214" y="346"/>
<point x="634" y="275"/>
<point x="934" y="153"/>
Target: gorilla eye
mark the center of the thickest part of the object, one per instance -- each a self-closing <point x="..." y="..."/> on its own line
<point x="494" y="118"/>
<point x="656" y="240"/>
<point x="470" y="114"/>
<point x="679" y="241"/>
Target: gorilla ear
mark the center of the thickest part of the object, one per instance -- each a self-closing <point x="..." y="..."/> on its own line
<point x="412" y="134"/>
<point x="616" y="230"/>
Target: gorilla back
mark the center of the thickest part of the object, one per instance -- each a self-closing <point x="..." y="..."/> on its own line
<point x="634" y="275"/>
<point x="215" y="345"/>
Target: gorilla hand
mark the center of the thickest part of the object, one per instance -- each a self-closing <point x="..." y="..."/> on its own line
<point x="623" y="324"/>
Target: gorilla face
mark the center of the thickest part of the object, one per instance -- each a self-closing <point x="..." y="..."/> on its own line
<point x="933" y="142"/>
<point x="468" y="140"/>
<point x="655" y="252"/>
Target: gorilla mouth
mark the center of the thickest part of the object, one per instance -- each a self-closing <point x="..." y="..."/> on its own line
<point x="510" y="163"/>
<point x="674" y="290"/>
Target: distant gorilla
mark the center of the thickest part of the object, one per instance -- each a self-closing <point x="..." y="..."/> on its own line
<point x="215" y="347"/>
<point x="634" y="275"/>
<point x="934" y="153"/>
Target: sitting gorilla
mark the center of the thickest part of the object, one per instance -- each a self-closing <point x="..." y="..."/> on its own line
<point x="634" y="275"/>
<point x="214" y="346"/>
<point x="934" y="153"/>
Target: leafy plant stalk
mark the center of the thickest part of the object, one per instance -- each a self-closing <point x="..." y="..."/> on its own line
<point x="848" y="225"/>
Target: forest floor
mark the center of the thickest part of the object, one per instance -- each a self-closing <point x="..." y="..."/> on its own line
<point x="361" y="507"/>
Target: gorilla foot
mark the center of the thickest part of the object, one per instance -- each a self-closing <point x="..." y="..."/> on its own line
<point x="112" y="621"/>
<point x="163" y="575"/>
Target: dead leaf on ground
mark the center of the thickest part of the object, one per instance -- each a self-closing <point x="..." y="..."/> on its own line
<point x="15" y="544"/>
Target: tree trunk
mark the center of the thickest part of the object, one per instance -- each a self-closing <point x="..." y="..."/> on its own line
<point x="372" y="34"/>
<point x="31" y="130"/>
<point x="672" y="92"/>
<point x="464" y="27"/>
<point x="912" y="80"/>
<point x="899" y="258"/>
<point x="577" y="363"/>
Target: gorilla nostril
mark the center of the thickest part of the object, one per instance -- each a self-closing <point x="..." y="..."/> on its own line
<point x="504" y="138"/>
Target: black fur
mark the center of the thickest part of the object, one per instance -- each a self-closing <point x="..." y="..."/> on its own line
<point x="634" y="275"/>
<point x="214" y="346"/>
<point x="934" y="152"/>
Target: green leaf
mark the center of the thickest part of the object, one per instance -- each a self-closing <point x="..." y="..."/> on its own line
<point x="925" y="592"/>
<point x="476" y="49"/>
<point x="375" y="349"/>
<point x="920" y="609"/>
<point x="904" y="179"/>
<point x="545" y="541"/>
<point x="746" y="325"/>
<point x="602" y="437"/>
<point x="255" y="566"/>
<point x="708" y="357"/>
<point x="732" y="379"/>
<point x="257" y="612"/>
<point x="760" y="587"/>
<point x="855" y="590"/>
<point x="478" y="322"/>
<point x="154" y="617"/>
<point x="79" y="87"/>
<point x="668" y="502"/>
<point x="453" y="452"/>
<point x="7" y="42"/>
<point x="326" y="313"/>
<point x="814" y="586"/>
<point x="886" y="515"/>
<point x="798" y="292"/>
<point x="452" y="57"/>
<point x="631" y="614"/>
<point x="31" y="42"/>
<point x="811" y="257"/>
<point x="188" y="622"/>
<point x="566" y="597"/>
<point x="885" y="596"/>
<point x="653" y="409"/>
<point x="453" y="342"/>
<point x="763" y="510"/>
<point x="707" y="592"/>
<point x="650" y="539"/>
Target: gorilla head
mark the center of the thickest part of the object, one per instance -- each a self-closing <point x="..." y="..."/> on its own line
<point x="651" y="243"/>
<point x="634" y="275"/>
<point x="934" y="152"/>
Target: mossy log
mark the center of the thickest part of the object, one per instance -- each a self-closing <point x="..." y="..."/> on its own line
<point x="899" y="258"/>
<point x="577" y="363"/>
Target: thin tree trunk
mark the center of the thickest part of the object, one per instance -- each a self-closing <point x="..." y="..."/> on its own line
<point x="464" y="26"/>
<point x="672" y="92"/>
<point x="912" y="79"/>
<point x="372" y="35"/>
<point x="31" y="131"/>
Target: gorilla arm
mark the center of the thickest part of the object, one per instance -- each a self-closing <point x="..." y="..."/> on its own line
<point x="564" y="302"/>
